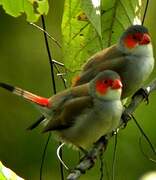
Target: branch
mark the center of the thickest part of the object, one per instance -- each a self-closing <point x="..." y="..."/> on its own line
<point x="89" y="159"/>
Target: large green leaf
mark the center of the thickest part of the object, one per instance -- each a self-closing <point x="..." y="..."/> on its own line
<point x="32" y="8"/>
<point x="92" y="9"/>
<point x="7" y="174"/>
<point x="84" y="32"/>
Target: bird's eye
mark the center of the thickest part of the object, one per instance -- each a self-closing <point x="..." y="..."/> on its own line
<point x="106" y="81"/>
<point x="137" y="36"/>
<point x="134" y="37"/>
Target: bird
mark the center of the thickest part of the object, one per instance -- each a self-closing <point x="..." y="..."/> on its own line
<point x="131" y="57"/>
<point x="80" y="115"/>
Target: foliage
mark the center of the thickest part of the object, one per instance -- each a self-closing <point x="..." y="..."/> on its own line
<point x="32" y="8"/>
<point x="90" y="25"/>
<point x="23" y="63"/>
<point x="7" y="174"/>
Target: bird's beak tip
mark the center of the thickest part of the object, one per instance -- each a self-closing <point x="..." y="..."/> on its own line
<point x="117" y="84"/>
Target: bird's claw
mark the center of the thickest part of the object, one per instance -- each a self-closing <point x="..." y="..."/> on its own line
<point x="88" y="156"/>
<point x="142" y="92"/>
<point x="125" y="118"/>
<point x="84" y="151"/>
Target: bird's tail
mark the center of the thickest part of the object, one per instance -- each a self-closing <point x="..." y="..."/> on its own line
<point x="41" y="101"/>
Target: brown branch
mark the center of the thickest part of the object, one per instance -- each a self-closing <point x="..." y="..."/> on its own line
<point x="89" y="159"/>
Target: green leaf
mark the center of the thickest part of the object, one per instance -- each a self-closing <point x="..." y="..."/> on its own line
<point x="81" y="32"/>
<point x="32" y="8"/>
<point x="7" y="174"/>
<point x="92" y="9"/>
<point x="43" y="7"/>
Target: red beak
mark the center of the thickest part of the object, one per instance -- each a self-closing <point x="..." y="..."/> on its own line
<point x="145" y="39"/>
<point x="116" y="84"/>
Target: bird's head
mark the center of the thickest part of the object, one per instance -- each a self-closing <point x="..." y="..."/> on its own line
<point x="106" y="85"/>
<point x="134" y="38"/>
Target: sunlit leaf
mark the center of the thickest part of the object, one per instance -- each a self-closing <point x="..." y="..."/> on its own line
<point x="32" y="8"/>
<point x="81" y="32"/>
<point x="92" y="9"/>
<point x="7" y="174"/>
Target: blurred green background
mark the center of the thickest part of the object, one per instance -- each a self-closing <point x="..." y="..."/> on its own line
<point x="24" y="63"/>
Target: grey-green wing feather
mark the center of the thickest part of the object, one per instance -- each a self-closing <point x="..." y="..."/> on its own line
<point x="64" y="116"/>
<point x="114" y="64"/>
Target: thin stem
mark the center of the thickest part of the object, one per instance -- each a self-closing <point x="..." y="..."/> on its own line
<point x="143" y="19"/>
<point x="43" y="155"/>
<point x="49" y="55"/>
<point x="54" y="90"/>
<point x="101" y="165"/>
<point x="144" y="135"/>
<point x="114" y="156"/>
<point x="38" y="27"/>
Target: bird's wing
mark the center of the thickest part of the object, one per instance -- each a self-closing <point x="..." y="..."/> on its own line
<point x="58" y="101"/>
<point x="111" y="52"/>
<point x="66" y="115"/>
<point x="109" y="58"/>
<point x="116" y="64"/>
<point x="60" y="98"/>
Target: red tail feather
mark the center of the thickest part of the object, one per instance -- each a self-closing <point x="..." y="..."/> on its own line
<point x="31" y="97"/>
<point x="26" y="95"/>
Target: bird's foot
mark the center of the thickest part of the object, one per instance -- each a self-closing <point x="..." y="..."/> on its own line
<point x="89" y="156"/>
<point x="125" y="118"/>
<point x="142" y="92"/>
<point x="84" y="151"/>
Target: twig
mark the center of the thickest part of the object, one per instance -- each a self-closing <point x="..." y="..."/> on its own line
<point x="51" y="63"/>
<point x="139" y="98"/>
<point x="89" y="159"/>
<point x="41" y="29"/>
<point x="146" y="7"/>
